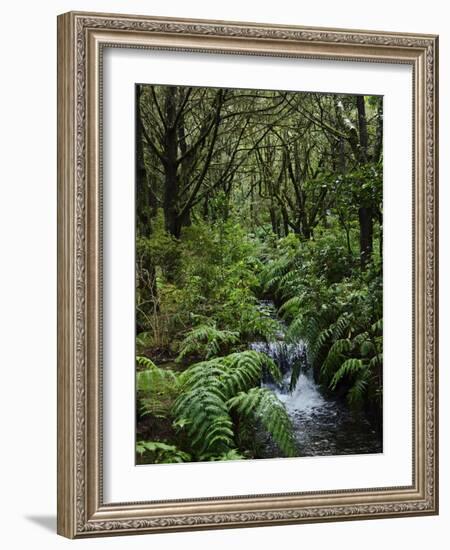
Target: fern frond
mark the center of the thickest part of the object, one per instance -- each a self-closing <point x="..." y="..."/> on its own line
<point x="288" y="284"/>
<point x="245" y="369"/>
<point x="356" y="392"/>
<point x="204" y="374"/>
<point x="348" y="367"/>
<point x="145" y="362"/>
<point x="376" y="361"/>
<point x="232" y="454"/>
<point x="264" y="405"/>
<point x="202" y="407"/>
<point x="377" y="327"/>
<point x="206" y="340"/>
<point x="161" y="452"/>
<point x="205" y="411"/>
<point x="290" y="307"/>
<point x="335" y="356"/>
<point x="341" y="326"/>
<point x="157" y="387"/>
<point x="360" y="338"/>
<point x="274" y="272"/>
<point x="153" y="378"/>
<point x="367" y="348"/>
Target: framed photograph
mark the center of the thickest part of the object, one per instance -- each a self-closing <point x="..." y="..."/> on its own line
<point x="247" y="276"/>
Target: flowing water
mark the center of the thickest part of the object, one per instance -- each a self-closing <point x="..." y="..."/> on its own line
<point x="323" y="425"/>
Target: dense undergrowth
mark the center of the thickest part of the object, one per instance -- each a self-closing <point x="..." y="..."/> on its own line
<point x="200" y="397"/>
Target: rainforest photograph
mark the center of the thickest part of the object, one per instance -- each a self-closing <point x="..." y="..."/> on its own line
<point x="259" y="274"/>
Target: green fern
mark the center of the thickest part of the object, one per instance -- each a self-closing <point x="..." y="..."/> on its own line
<point x="335" y="356"/>
<point x="145" y="362"/>
<point x="232" y="373"/>
<point x="207" y="420"/>
<point x="202" y="408"/>
<point x="232" y="454"/>
<point x="348" y="349"/>
<point x="206" y="341"/>
<point x="264" y="405"/>
<point x="348" y="368"/>
<point x="245" y="369"/>
<point x="161" y="453"/>
<point x="359" y="388"/>
<point x="153" y="379"/>
<point x="275" y="272"/>
<point x="291" y="307"/>
<point x="157" y="388"/>
<point x="143" y="341"/>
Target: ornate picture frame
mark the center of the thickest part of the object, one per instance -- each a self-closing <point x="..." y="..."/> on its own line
<point x="82" y="38"/>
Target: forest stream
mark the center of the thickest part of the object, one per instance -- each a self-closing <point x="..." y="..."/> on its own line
<point x="323" y="425"/>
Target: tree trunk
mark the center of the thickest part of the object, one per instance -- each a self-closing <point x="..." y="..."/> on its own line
<point x="365" y="235"/>
<point x="143" y="211"/>
<point x="365" y="213"/>
<point x="274" y="221"/>
<point x="285" y="222"/>
<point x="171" y="184"/>
<point x="362" y="124"/>
<point x="142" y="217"/>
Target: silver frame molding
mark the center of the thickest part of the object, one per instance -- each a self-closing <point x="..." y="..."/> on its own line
<point x="81" y="510"/>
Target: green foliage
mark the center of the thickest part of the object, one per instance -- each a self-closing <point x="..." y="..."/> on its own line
<point x="202" y="285"/>
<point x="356" y="361"/>
<point x="158" y="452"/>
<point x="206" y="341"/>
<point x="143" y="341"/>
<point x="199" y="400"/>
<point x="148" y="364"/>
<point x="208" y="389"/>
<point x="207" y="421"/>
<point x="232" y="454"/>
<point x="335" y="309"/>
<point x="344" y="339"/>
<point x="158" y="247"/>
<point x="156" y="387"/>
<point x="265" y="406"/>
<point x="220" y="264"/>
<point x="242" y="196"/>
